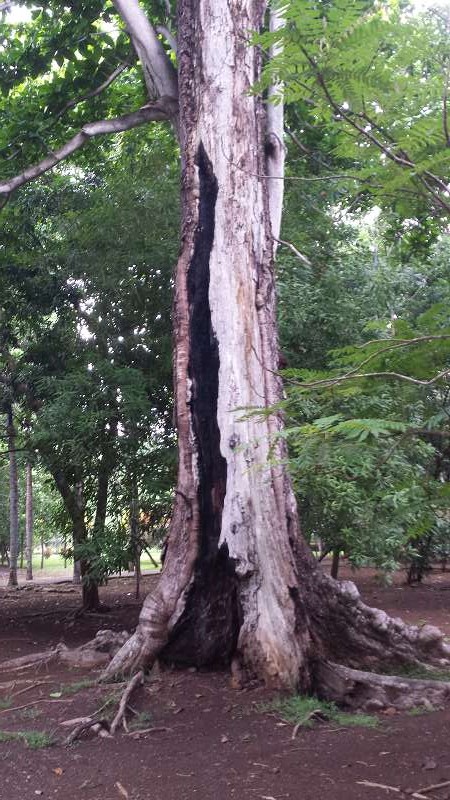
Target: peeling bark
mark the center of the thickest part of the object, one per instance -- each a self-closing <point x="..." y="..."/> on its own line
<point x="239" y="583"/>
<point x="229" y="585"/>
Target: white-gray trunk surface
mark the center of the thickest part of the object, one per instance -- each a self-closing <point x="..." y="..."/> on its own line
<point x="239" y="584"/>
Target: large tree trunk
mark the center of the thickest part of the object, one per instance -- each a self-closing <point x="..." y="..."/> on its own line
<point x="29" y="520"/>
<point x="230" y="584"/>
<point x="239" y="583"/>
<point x="13" y="498"/>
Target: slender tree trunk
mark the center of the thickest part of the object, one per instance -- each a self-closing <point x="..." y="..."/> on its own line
<point x="13" y="499"/>
<point x="29" y="520"/>
<point x="335" y="563"/>
<point x="104" y="473"/>
<point x="76" y="579"/>
<point x="134" y="535"/>
<point x="42" y="551"/>
<point x="89" y="585"/>
<point x="73" y="498"/>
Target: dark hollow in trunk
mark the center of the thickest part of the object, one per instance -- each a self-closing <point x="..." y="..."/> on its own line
<point x="207" y="632"/>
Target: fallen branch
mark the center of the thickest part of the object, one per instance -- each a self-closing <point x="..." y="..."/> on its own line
<point x="34" y="703"/>
<point x="100" y="727"/>
<point x="433" y="786"/>
<point x="142" y="731"/>
<point x="32" y="686"/>
<point x="32" y="660"/>
<point x="95" y="653"/>
<point x="136" y="680"/>
<point x="387" y="788"/>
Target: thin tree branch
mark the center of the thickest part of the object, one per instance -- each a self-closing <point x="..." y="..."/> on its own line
<point x="394" y="346"/>
<point x="405" y="342"/>
<point x="154" y="112"/>
<point x="292" y="247"/>
<point x="94" y="92"/>
<point x="300" y="178"/>
<point x="328" y="383"/>
<point x="171" y="40"/>
<point x="445" y="112"/>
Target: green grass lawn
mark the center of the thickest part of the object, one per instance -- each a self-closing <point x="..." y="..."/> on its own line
<point x="55" y="562"/>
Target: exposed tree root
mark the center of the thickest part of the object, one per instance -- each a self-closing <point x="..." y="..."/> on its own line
<point x="95" y="653"/>
<point x="355" y="689"/>
<point x="136" y="680"/>
<point x="349" y="641"/>
<point x="348" y="631"/>
<point x="98" y="726"/>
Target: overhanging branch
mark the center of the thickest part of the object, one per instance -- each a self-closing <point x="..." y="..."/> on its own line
<point x="153" y="112"/>
<point x="159" y="73"/>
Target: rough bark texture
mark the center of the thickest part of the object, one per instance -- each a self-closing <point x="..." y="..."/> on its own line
<point x="13" y="499"/>
<point x="239" y="583"/>
<point x="229" y="584"/>
<point x="29" y="521"/>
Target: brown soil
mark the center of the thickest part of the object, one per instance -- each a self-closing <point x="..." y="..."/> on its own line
<point x="210" y="741"/>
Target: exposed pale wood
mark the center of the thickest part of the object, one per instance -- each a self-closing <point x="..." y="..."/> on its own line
<point x="159" y="73"/>
<point x="433" y="786"/>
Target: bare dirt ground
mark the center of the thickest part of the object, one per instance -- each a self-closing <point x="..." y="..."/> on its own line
<point x="208" y="741"/>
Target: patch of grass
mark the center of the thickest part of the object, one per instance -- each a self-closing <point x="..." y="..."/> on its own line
<point x="418" y="672"/>
<point x="109" y="702"/>
<point x="417" y="711"/>
<point x="78" y="686"/>
<point x="30" y="713"/>
<point x="38" y="739"/>
<point x="141" y="720"/>
<point x="300" y="710"/>
<point x="6" y="702"/>
<point x="35" y="740"/>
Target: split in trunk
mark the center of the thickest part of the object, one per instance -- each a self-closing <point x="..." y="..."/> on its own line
<point x="239" y="585"/>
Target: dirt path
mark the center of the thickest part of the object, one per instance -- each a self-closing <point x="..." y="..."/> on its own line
<point x="211" y="742"/>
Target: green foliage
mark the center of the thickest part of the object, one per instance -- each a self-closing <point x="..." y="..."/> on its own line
<point x="93" y="345"/>
<point x="77" y="686"/>
<point x="372" y="76"/>
<point x="35" y="740"/>
<point x="306" y="711"/>
<point x="369" y="455"/>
